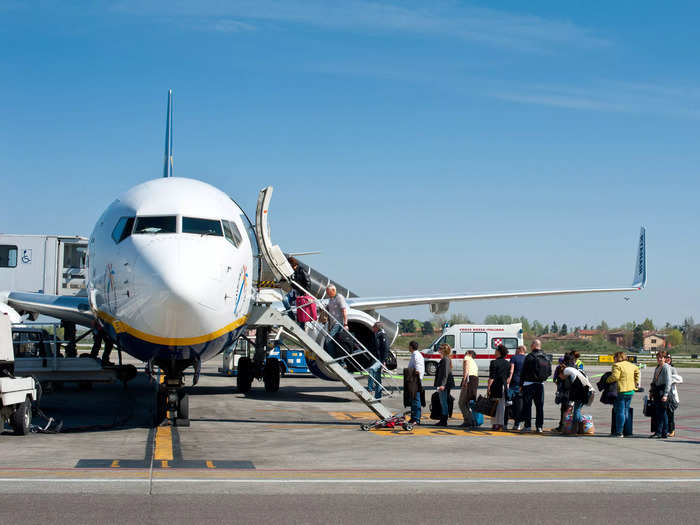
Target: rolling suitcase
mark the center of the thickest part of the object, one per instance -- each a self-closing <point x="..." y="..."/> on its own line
<point x="628" y="430"/>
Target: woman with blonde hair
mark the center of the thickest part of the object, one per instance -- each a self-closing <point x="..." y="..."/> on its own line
<point x="444" y="382"/>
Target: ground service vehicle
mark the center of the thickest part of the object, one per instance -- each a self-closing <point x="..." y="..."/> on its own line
<point x="50" y="264"/>
<point x="482" y="338"/>
<point x="16" y="393"/>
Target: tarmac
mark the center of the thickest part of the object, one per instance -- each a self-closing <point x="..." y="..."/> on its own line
<point x="305" y="440"/>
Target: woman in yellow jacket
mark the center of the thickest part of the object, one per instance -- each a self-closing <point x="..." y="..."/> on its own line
<point x="626" y="375"/>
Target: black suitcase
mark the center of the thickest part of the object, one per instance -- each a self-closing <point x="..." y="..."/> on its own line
<point x="436" y="408"/>
<point x="628" y="430"/>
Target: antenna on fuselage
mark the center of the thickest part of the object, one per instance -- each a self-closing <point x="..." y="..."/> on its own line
<point x="168" y="161"/>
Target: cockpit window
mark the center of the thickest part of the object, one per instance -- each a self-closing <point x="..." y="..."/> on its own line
<point x="155" y="225"/>
<point x="201" y="226"/>
<point x="123" y="229"/>
<point x="231" y="232"/>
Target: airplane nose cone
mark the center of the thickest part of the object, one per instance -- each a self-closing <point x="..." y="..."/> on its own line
<point x="183" y="287"/>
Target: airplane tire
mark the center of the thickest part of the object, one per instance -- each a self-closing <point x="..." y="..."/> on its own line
<point x="271" y="375"/>
<point x="245" y="375"/>
<point x="161" y="406"/>
<point x="430" y="368"/>
<point x="22" y="418"/>
<point x="184" y="408"/>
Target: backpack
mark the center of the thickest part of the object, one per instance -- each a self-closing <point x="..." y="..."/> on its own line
<point x="542" y="368"/>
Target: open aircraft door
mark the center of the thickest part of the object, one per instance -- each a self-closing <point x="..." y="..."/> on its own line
<point x="273" y="255"/>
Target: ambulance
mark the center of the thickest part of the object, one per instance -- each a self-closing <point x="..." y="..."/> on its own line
<point x="482" y="338"/>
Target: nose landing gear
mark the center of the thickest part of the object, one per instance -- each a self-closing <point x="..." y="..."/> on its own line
<point x="172" y="401"/>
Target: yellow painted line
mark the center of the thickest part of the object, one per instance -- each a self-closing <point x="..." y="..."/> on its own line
<point x="115" y="463"/>
<point x="210" y="464"/>
<point x="353" y="416"/>
<point x="164" y="444"/>
<point x="445" y="431"/>
<point x="164" y="464"/>
<point x="120" y="327"/>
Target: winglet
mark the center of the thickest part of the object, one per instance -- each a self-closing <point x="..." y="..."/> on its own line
<point x="168" y="161"/>
<point x="640" y="270"/>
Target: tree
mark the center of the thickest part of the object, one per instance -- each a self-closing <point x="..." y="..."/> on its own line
<point x="564" y="330"/>
<point x="427" y="328"/>
<point x="555" y="328"/>
<point x="603" y="326"/>
<point x="648" y="324"/>
<point x="537" y="327"/>
<point x="585" y="326"/>
<point x="638" y="337"/>
<point x="525" y="323"/>
<point x="545" y="330"/>
<point x="674" y="337"/>
<point x="409" y="325"/>
<point x="499" y="319"/>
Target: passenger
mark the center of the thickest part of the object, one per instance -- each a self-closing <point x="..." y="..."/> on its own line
<point x="515" y="411"/>
<point x="337" y="316"/>
<point x="301" y="282"/>
<point x="674" y="399"/>
<point x="416" y="371"/>
<point x="499" y="370"/>
<point x="661" y="391"/>
<point x="470" y="385"/>
<point x="561" y="396"/>
<point x="627" y="377"/>
<point x="444" y="382"/>
<point x="380" y="351"/>
<point x="301" y="278"/>
<point x="576" y="385"/>
<point x="579" y="363"/>
<point x="536" y="370"/>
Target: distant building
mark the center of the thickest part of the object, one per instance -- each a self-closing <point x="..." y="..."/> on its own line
<point x="617" y="338"/>
<point x="654" y="341"/>
<point x="588" y="334"/>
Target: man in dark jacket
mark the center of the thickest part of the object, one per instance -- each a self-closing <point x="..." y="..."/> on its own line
<point x="380" y="350"/>
<point x="532" y="379"/>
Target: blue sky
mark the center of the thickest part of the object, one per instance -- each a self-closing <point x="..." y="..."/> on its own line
<point x="422" y="147"/>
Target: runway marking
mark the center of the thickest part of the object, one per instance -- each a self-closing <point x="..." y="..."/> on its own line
<point x="353" y="416"/>
<point x="164" y="444"/>
<point x="433" y="431"/>
<point x="525" y="481"/>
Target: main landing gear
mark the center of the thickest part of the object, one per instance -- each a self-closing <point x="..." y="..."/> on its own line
<point x="267" y="369"/>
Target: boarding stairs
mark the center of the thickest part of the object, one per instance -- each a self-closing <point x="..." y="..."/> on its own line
<point x="271" y="316"/>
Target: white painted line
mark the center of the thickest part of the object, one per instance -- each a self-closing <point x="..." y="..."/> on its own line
<point x="357" y="481"/>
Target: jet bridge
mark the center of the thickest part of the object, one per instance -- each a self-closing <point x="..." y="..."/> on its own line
<point x="268" y="317"/>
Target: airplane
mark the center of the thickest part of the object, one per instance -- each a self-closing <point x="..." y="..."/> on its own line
<point x="170" y="273"/>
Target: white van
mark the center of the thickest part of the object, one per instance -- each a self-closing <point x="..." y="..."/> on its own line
<point x="482" y="338"/>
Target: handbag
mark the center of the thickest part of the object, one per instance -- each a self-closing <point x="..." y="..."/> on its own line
<point x="591" y="397"/>
<point x="486" y="406"/>
<point x="391" y="363"/>
<point x="649" y="408"/>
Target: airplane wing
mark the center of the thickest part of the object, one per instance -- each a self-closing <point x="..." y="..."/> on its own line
<point x="67" y="308"/>
<point x="440" y="303"/>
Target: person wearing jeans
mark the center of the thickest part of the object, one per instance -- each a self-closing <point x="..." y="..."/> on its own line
<point x="444" y="382"/>
<point x="416" y="371"/>
<point x="626" y="375"/>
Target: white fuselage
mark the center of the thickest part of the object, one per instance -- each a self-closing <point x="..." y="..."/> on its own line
<point x="163" y="278"/>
